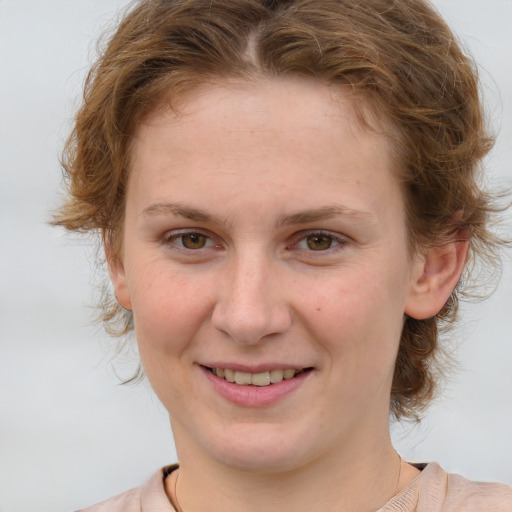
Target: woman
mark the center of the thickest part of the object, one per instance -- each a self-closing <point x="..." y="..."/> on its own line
<point x="287" y="197"/>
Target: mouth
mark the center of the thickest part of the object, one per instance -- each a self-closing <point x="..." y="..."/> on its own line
<point x="260" y="379"/>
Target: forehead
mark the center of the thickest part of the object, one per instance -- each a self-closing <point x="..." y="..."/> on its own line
<point x="282" y="107"/>
<point x="298" y="134"/>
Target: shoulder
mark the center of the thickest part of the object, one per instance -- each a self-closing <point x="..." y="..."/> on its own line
<point x="463" y="494"/>
<point x="435" y="490"/>
<point x="150" y="497"/>
<point x="129" y="501"/>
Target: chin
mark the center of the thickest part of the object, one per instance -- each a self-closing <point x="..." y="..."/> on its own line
<point x="261" y="461"/>
<point x="262" y="448"/>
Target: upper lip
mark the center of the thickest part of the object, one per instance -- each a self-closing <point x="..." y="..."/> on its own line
<point x="254" y="368"/>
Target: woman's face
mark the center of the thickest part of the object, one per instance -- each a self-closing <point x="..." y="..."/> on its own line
<point x="264" y="239"/>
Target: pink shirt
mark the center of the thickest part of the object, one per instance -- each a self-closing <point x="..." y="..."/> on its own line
<point x="433" y="490"/>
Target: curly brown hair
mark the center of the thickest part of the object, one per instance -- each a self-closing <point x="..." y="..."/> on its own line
<point x="398" y="57"/>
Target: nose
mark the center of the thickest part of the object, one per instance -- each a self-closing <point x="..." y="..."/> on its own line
<point x="250" y="304"/>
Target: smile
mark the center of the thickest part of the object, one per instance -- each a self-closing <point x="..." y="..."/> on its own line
<point x="255" y="379"/>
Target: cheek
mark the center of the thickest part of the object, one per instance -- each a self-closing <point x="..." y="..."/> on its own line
<point x="359" y="322"/>
<point x="168" y="310"/>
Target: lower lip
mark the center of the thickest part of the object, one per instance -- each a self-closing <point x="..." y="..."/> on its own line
<point x="255" y="396"/>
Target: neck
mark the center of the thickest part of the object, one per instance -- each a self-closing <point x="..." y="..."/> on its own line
<point x="359" y="478"/>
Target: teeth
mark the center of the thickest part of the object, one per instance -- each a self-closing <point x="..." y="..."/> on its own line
<point x="288" y="374"/>
<point x="255" y="379"/>
<point x="260" y="379"/>
<point x="242" y="378"/>
<point x="276" y="376"/>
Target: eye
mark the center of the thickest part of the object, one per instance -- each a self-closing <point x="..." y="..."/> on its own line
<point x="319" y="241"/>
<point x="193" y="240"/>
<point x="190" y="240"/>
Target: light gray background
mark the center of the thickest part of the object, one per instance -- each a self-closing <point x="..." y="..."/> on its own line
<point x="69" y="434"/>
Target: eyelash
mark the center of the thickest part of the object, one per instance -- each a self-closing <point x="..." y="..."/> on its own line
<point x="302" y="237"/>
<point x="172" y="238"/>
<point x="175" y="240"/>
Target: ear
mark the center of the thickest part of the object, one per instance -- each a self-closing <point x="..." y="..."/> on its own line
<point x="118" y="278"/>
<point x="435" y="276"/>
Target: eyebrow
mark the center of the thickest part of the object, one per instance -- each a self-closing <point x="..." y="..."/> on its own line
<point x="181" y="210"/>
<point x="325" y="213"/>
<point x="302" y="217"/>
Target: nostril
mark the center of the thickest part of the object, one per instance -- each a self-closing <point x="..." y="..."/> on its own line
<point x="251" y="323"/>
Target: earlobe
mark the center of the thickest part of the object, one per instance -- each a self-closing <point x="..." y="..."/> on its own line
<point x="118" y="278"/>
<point x="434" y="278"/>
